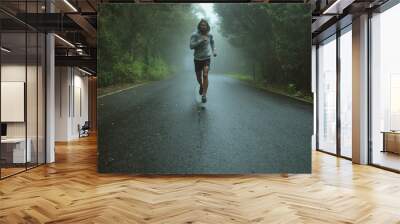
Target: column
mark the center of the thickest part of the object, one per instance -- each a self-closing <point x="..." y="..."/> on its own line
<point x="360" y="90"/>
<point x="50" y="92"/>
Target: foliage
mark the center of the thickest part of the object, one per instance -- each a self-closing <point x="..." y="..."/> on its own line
<point x="291" y="88"/>
<point x="157" y="68"/>
<point x="141" y="42"/>
<point x="275" y="39"/>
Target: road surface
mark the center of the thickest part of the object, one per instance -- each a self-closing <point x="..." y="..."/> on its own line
<point x="160" y="128"/>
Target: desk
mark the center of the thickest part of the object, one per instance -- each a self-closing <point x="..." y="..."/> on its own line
<point x="391" y="141"/>
<point x="18" y="150"/>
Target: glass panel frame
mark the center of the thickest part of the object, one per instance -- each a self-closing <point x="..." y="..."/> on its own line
<point x="25" y="61"/>
<point x="345" y="93"/>
<point x="340" y="94"/>
<point x="13" y="74"/>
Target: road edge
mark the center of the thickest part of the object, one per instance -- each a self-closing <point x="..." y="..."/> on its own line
<point x="134" y="86"/>
<point x="121" y="90"/>
<point x="269" y="90"/>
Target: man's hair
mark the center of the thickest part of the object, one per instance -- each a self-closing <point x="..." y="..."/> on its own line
<point x="203" y="21"/>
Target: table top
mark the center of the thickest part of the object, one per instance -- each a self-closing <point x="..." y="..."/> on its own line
<point x="13" y="140"/>
<point x="390" y="132"/>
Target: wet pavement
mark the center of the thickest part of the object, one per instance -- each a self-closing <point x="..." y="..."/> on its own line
<point x="161" y="128"/>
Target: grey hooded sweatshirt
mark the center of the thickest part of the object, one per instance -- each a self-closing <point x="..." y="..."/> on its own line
<point x="202" y="50"/>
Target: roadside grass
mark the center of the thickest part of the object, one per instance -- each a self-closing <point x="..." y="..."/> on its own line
<point x="289" y="90"/>
<point x="117" y="88"/>
<point x="108" y="90"/>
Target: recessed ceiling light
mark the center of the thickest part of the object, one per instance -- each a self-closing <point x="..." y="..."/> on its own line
<point x="64" y="40"/>
<point x="333" y="6"/>
<point x="5" y="50"/>
<point x="70" y="5"/>
<point x="86" y="72"/>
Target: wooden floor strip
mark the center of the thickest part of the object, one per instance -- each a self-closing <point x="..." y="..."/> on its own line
<point x="71" y="191"/>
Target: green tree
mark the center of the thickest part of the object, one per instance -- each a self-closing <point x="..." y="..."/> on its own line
<point x="141" y="42"/>
<point x="274" y="37"/>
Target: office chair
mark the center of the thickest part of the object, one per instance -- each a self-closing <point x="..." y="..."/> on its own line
<point x="84" y="130"/>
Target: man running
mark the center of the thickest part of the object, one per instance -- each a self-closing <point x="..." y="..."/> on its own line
<point x="203" y="44"/>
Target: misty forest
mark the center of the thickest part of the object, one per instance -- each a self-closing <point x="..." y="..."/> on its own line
<point x="255" y="115"/>
<point x="264" y="45"/>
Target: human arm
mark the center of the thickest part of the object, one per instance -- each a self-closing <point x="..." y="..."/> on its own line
<point x="212" y="44"/>
<point x="195" y="42"/>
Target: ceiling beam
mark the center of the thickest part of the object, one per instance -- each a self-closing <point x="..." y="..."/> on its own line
<point x="81" y="61"/>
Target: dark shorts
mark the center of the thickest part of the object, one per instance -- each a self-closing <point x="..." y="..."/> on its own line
<point x="199" y="65"/>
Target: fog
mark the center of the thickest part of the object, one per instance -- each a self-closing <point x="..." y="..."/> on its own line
<point x="175" y="123"/>
<point x="266" y="44"/>
<point x="229" y="60"/>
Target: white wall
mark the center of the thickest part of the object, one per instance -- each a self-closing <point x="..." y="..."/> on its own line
<point x="79" y="102"/>
<point x="33" y="127"/>
<point x="62" y="82"/>
<point x="12" y="73"/>
<point x="16" y="72"/>
<point x="71" y="93"/>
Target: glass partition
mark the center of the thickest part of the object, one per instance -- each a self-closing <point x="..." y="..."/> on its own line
<point x="346" y="92"/>
<point x="327" y="95"/>
<point x="14" y="153"/>
<point x="32" y="95"/>
<point x="22" y="98"/>
<point x="41" y="88"/>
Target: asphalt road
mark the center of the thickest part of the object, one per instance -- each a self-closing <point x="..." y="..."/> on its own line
<point x="161" y="128"/>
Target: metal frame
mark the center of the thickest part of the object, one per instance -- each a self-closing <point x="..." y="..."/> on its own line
<point x="338" y="93"/>
<point x="317" y="95"/>
<point x="369" y="81"/>
<point x="341" y="32"/>
<point x="37" y="91"/>
<point x="0" y="89"/>
<point x="338" y="153"/>
<point x="45" y="90"/>
<point x="26" y="88"/>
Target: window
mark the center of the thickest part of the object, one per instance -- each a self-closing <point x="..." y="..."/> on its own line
<point x="346" y="92"/>
<point x="385" y="89"/>
<point x="327" y="95"/>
